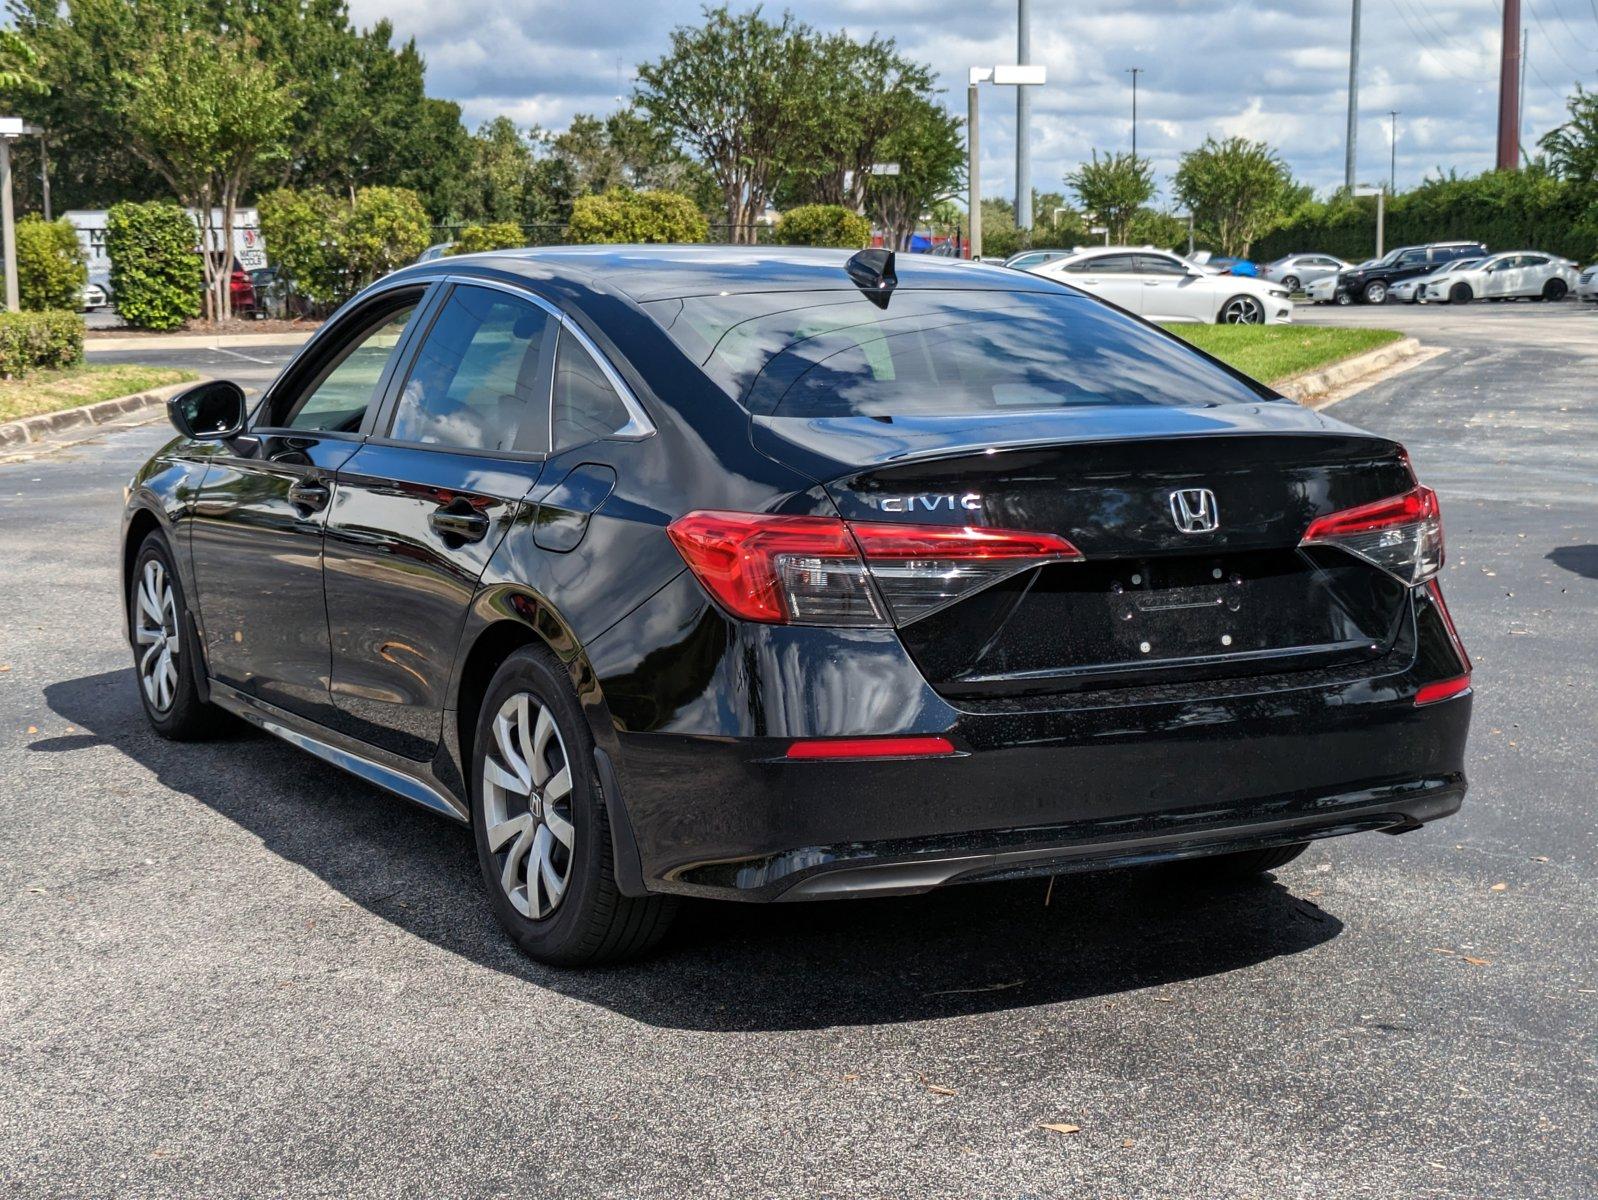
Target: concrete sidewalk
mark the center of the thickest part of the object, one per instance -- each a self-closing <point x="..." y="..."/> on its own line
<point x="192" y="341"/>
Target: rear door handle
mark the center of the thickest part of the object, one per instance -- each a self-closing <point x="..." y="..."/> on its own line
<point x="310" y="494"/>
<point x="451" y="523"/>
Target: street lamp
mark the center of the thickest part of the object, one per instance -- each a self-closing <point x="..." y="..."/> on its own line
<point x="11" y="128"/>
<point x="1381" y="213"/>
<point x="1016" y="76"/>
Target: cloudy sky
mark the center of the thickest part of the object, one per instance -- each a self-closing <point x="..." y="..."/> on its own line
<point x="1276" y="71"/>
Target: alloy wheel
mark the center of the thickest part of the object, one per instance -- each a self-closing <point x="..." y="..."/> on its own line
<point x="527" y="806"/>
<point x="1242" y="310"/>
<point x="156" y="630"/>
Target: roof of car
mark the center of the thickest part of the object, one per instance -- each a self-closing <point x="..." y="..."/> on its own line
<point x="667" y="272"/>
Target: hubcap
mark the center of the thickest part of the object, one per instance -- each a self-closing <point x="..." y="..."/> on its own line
<point x="1242" y="311"/>
<point x="156" y="631"/>
<point x="527" y="809"/>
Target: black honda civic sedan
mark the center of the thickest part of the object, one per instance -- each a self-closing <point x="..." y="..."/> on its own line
<point x="791" y="575"/>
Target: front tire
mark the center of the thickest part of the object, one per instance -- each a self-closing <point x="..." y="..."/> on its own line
<point x="539" y="821"/>
<point x="1376" y="292"/>
<point x="1241" y="310"/>
<point x="1291" y="283"/>
<point x="1460" y="293"/>
<point x="165" y="653"/>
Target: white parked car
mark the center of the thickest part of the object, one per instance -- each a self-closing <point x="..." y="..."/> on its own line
<point x="1413" y="291"/>
<point x="1587" y="283"/>
<point x="1297" y="271"/>
<point x="1502" y="276"/>
<point x="1162" y="287"/>
<point x="93" y="296"/>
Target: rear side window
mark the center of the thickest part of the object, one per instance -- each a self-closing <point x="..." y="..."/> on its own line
<point x="587" y="407"/>
<point x="475" y="381"/>
<point x="836" y="354"/>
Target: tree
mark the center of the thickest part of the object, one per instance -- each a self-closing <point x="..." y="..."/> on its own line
<point x="930" y="152"/>
<point x="205" y="112"/>
<point x="1113" y="189"/>
<point x="1237" y="191"/>
<point x="501" y="173"/>
<point x="51" y="266"/>
<point x="741" y="92"/>
<point x="1572" y="148"/>
<point x="18" y="65"/>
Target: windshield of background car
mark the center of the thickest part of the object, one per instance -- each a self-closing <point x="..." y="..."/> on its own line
<point x="934" y="352"/>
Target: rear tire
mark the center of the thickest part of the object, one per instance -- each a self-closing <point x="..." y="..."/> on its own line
<point x="165" y="651"/>
<point x="1555" y="289"/>
<point x="539" y="822"/>
<point x="1375" y="292"/>
<point x="1242" y="865"/>
<point x="1460" y="293"/>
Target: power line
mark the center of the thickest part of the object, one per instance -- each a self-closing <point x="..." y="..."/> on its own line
<point x="1429" y="47"/>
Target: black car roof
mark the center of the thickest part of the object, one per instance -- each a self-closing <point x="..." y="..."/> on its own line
<point x="647" y="273"/>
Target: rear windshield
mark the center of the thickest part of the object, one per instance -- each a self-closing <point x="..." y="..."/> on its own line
<point x="836" y="354"/>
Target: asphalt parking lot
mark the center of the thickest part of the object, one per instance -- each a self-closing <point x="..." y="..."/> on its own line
<point x="230" y="970"/>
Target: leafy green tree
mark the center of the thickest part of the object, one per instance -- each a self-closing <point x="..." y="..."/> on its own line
<point x="18" y="64"/>
<point x="1237" y="191"/>
<point x="740" y="91"/>
<point x="496" y="235"/>
<point x="205" y="112"/>
<point x="51" y="265"/>
<point x="623" y="216"/>
<point x="1572" y="148"/>
<point x="929" y="149"/>
<point x="156" y="277"/>
<point x="385" y="229"/>
<point x="501" y="173"/>
<point x="1150" y="227"/>
<point x="1112" y="189"/>
<point x="823" y="225"/>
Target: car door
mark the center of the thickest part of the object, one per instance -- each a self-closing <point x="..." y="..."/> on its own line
<point x="260" y="515"/>
<point x="1111" y="277"/>
<point x="1500" y="276"/>
<point x="1533" y="272"/>
<point x="419" y="509"/>
<point x="1172" y="292"/>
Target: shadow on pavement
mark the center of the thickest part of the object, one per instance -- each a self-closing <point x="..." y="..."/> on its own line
<point x="973" y="949"/>
<point x="1583" y="559"/>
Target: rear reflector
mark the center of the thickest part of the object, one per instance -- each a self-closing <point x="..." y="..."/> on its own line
<point x="1446" y="689"/>
<point x="1402" y="535"/>
<point x="825" y="571"/>
<point x="891" y="747"/>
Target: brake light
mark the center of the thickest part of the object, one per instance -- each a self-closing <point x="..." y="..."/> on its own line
<point x="1445" y="689"/>
<point x="1403" y="535"/>
<point x="825" y="571"/>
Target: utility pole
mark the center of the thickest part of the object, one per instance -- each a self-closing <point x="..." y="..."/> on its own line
<point x="1392" y="151"/>
<point x="1023" y="120"/>
<point x="1353" y="100"/>
<point x="1134" y="72"/>
<point x="1509" y="89"/>
<point x="44" y="174"/>
<point x="1523" y="36"/>
<point x="973" y="173"/>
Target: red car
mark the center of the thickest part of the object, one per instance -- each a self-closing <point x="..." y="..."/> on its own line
<point x="243" y="292"/>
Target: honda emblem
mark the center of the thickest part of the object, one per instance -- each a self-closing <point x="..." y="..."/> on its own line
<point x="1194" y="510"/>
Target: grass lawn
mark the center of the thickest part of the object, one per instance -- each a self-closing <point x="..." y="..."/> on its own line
<point x="52" y="391"/>
<point x="1274" y="352"/>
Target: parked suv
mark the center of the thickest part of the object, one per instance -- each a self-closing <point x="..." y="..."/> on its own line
<point x="1370" y="284"/>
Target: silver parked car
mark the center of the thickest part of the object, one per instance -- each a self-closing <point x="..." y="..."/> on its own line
<point x="1587" y="283"/>
<point x="1296" y="271"/>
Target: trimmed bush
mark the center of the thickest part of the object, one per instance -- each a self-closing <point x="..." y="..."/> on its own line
<point x="622" y="216"/>
<point x="823" y="225"/>
<point x="30" y="340"/>
<point x="156" y="279"/>
<point x="301" y="230"/>
<point x="51" y="265"/>
<point x="495" y="235"/>
<point x="385" y="230"/>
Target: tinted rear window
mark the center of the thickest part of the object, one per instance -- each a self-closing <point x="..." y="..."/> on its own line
<point x="836" y="354"/>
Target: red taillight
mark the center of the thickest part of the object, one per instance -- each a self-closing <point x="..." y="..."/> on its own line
<point x="1403" y="535"/>
<point x="1445" y="689"/>
<point x="824" y="571"/>
<point x="886" y="747"/>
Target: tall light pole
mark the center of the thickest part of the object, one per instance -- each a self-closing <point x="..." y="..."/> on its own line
<point x="1023" y="120"/>
<point x="1134" y="72"/>
<point x="1509" y="89"/>
<point x="1392" y="151"/>
<point x="11" y="128"/>
<point x="1020" y="77"/>
<point x="1353" y="99"/>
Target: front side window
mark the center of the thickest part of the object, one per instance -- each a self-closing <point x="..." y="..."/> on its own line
<point x="337" y="401"/>
<point x="1105" y="264"/>
<point x="937" y="353"/>
<point x="475" y="381"/>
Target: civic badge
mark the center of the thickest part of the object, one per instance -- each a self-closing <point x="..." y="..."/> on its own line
<point x="1194" y="510"/>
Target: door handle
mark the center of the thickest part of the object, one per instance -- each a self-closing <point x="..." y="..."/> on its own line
<point x="466" y="526"/>
<point x="309" y="494"/>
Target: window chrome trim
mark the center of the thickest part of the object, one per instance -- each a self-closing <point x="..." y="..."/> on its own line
<point x="638" y="426"/>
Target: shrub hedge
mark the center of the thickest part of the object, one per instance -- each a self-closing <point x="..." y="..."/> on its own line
<point x="29" y="340"/>
<point x="156" y="279"/>
<point x="51" y="266"/>
<point x="823" y="225"/>
<point x="621" y="215"/>
<point x="495" y="235"/>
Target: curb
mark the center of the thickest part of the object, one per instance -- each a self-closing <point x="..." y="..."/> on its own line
<point x="195" y="341"/>
<point x="1313" y="386"/>
<point x="31" y="429"/>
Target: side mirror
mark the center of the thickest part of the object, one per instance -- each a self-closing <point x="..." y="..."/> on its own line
<point x="209" y="411"/>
